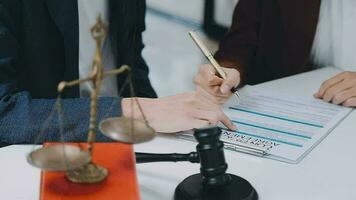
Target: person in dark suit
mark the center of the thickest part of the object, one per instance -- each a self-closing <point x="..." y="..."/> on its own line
<point x="273" y="39"/>
<point x="43" y="42"/>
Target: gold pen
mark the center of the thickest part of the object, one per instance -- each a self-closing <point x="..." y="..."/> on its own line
<point x="212" y="60"/>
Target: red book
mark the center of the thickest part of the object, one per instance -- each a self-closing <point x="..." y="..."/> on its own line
<point x="121" y="183"/>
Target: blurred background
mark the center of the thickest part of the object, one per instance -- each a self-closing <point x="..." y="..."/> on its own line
<point x="171" y="55"/>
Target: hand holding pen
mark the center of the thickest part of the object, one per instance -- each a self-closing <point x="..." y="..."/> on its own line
<point x="213" y="81"/>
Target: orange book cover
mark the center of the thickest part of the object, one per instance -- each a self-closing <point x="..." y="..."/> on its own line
<point x="121" y="183"/>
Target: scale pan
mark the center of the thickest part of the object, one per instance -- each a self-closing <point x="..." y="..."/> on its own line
<point x="59" y="158"/>
<point x="120" y="129"/>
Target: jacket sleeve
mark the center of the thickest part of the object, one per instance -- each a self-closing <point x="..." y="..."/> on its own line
<point x="24" y="120"/>
<point x="127" y="23"/>
<point x="27" y="120"/>
<point x="239" y="46"/>
<point x="141" y="70"/>
<point x="9" y="32"/>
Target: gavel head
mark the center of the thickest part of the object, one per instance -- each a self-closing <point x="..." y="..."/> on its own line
<point x="213" y="183"/>
<point x="212" y="159"/>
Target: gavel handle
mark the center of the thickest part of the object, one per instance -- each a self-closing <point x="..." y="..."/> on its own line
<point x="192" y="157"/>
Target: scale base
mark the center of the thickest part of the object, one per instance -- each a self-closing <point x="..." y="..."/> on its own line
<point x="89" y="173"/>
<point x="192" y="188"/>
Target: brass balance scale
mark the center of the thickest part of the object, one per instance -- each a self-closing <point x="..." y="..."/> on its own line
<point x="76" y="161"/>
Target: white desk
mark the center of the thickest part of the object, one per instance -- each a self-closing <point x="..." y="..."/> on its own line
<point x="328" y="172"/>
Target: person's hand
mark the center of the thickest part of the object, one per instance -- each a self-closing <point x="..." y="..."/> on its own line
<point x="340" y="89"/>
<point x="178" y="113"/>
<point x="214" y="88"/>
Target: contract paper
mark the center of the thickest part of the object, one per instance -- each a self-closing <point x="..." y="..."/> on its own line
<point x="286" y="127"/>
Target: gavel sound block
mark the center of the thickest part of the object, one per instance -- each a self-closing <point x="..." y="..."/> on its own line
<point x="212" y="183"/>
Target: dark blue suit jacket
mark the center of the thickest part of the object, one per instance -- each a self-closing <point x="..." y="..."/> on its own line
<point x="39" y="42"/>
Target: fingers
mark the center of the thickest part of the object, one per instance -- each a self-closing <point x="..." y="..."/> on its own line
<point x="216" y="89"/>
<point x="350" y="102"/>
<point x="204" y="95"/>
<point x="227" y="122"/>
<point x="340" y="89"/>
<point x="214" y="117"/>
<point x="206" y="77"/>
<point x="210" y="112"/>
<point x="204" y="103"/>
<point x="342" y="96"/>
<point x="232" y="80"/>
<point x="329" y="83"/>
<point x="334" y="90"/>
